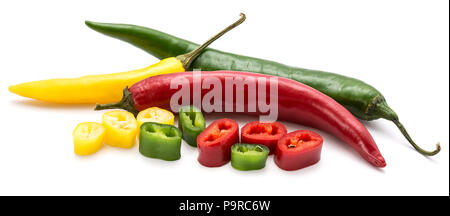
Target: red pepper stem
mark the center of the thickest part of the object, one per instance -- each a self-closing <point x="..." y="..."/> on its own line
<point x="126" y="103"/>
<point x="420" y="150"/>
<point x="188" y="58"/>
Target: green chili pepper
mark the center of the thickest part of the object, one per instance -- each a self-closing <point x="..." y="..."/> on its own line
<point x="160" y="141"/>
<point x="191" y="124"/>
<point x="248" y="156"/>
<point x="361" y="99"/>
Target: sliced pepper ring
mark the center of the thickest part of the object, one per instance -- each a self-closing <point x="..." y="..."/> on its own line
<point x="264" y="133"/>
<point x="214" y="143"/>
<point x="248" y="156"/>
<point x="298" y="149"/>
<point x="121" y="128"/>
<point x="155" y="114"/>
<point x="191" y="123"/>
<point x="88" y="138"/>
<point x="160" y="141"/>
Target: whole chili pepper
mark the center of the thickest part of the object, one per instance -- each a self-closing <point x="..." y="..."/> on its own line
<point x="107" y="88"/>
<point x="88" y="138"/>
<point x="296" y="103"/>
<point x="265" y="133"/>
<point x="360" y="98"/>
<point x="298" y="149"/>
<point x="160" y="141"/>
<point x="248" y="156"/>
<point x="214" y="143"/>
<point x="191" y="123"/>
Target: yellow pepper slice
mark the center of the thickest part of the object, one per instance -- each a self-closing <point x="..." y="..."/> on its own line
<point x="121" y="128"/>
<point x="155" y="114"/>
<point x="88" y="138"/>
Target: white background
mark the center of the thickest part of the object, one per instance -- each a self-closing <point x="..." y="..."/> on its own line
<point x="401" y="47"/>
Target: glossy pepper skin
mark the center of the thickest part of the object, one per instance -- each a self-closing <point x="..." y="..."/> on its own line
<point x="160" y="141"/>
<point x="88" y="138"/>
<point x="121" y="128"/>
<point x="298" y="149"/>
<point x="264" y="133"/>
<point x="246" y="157"/>
<point x="361" y="99"/>
<point x="297" y="103"/>
<point x="191" y="123"/>
<point x="107" y="88"/>
<point x="214" y="143"/>
<point x="92" y="89"/>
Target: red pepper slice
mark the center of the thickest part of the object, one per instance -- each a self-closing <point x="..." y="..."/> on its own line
<point x="214" y="143"/>
<point x="298" y="149"/>
<point x="263" y="133"/>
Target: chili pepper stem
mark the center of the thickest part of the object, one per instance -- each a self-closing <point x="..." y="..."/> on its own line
<point x="419" y="149"/>
<point x="384" y="111"/>
<point x="126" y="103"/>
<point x="188" y="58"/>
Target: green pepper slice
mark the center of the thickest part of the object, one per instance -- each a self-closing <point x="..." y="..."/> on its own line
<point x="191" y="123"/>
<point x="160" y="141"/>
<point x="248" y="156"/>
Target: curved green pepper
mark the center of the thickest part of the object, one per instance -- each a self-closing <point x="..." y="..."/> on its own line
<point x="248" y="156"/>
<point x="191" y="124"/>
<point x="160" y="141"/>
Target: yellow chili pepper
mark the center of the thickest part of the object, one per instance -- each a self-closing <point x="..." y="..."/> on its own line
<point x="103" y="88"/>
<point x="88" y="138"/>
<point x="155" y="114"/>
<point x="107" y="88"/>
<point x="121" y="128"/>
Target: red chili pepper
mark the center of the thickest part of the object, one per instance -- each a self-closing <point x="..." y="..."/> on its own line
<point x="298" y="149"/>
<point x="214" y="143"/>
<point x="264" y="133"/>
<point x="296" y="103"/>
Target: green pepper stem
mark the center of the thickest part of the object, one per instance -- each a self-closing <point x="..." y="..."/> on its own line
<point x="117" y="105"/>
<point x="420" y="150"/>
<point x="126" y="103"/>
<point x="382" y="110"/>
<point x="188" y="58"/>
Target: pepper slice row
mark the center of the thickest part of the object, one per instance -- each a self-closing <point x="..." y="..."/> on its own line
<point x="191" y="123"/>
<point x="248" y="156"/>
<point x="217" y="143"/>
<point x="214" y="143"/>
<point x="160" y="141"/>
